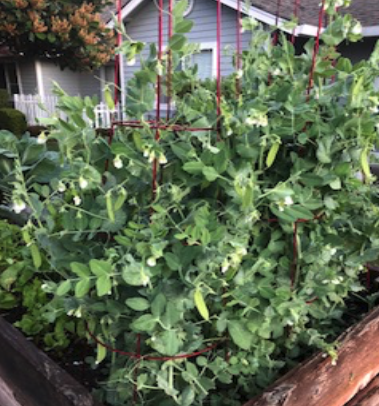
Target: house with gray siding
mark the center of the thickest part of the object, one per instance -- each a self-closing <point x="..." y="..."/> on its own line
<point x="140" y="17"/>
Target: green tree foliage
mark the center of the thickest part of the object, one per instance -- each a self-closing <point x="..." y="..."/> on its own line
<point x="69" y="32"/>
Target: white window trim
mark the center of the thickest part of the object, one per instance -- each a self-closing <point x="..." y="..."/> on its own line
<point x="211" y="46"/>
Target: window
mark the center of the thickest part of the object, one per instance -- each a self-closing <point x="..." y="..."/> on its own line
<point x="9" y="78"/>
<point x="205" y="61"/>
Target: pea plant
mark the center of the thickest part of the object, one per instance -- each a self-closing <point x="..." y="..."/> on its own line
<point x="208" y="260"/>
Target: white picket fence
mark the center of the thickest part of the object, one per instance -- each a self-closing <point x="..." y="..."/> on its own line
<point x="36" y="107"/>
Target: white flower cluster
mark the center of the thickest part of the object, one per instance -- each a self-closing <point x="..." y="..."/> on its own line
<point x="257" y="119"/>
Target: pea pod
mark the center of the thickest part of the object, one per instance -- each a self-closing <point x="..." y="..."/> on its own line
<point x="101" y="353"/>
<point x="36" y="256"/>
<point x="110" y="209"/>
<point x="120" y="200"/>
<point x="200" y="304"/>
<point x="26" y="236"/>
<point x="271" y="156"/>
<point x="364" y="164"/>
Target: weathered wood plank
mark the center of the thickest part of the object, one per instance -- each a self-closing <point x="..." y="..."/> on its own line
<point x="32" y="378"/>
<point x="319" y="383"/>
<point x="369" y="396"/>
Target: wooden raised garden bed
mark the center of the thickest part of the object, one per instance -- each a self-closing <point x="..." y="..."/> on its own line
<point x="351" y="381"/>
<point x="28" y="377"/>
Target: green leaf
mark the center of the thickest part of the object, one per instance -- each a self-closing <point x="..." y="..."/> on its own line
<point x="10" y="275"/>
<point x="104" y="285"/>
<point x="167" y="343"/>
<point x="183" y="26"/>
<point x="109" y="98"/>
<point x="139" y="304"/>
<point x="177" y="42"/>
<point x="146" y="323"/>
<point x="210" y="173"/>
<point x="200" y="304"/>
<point x="240" y="335"/>
<point x="194" y="167"/>
<point x="187" y="397"/>
<point x="64" y="288"/>
<point x="135" y="274"/>
<point x="82" y="288"/>
<point x="80" y="269"/>
<point x="100" y="268"/>
<point x="172" y="261"/>
<point x="158" y="305"/>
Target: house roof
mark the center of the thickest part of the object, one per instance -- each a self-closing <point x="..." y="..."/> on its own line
<point x="366" y="11"/>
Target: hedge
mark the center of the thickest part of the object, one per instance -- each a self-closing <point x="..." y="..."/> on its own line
<point x="13" y="120"/>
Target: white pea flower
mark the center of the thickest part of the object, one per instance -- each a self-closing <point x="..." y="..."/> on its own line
<point x="41" y="139"/>
<point x="145" y="280"/>
<point x="263" y="121"/>
<point x="146" y="153"/>
<point x="159" y="69"/>
<point x="19" y="206"/>
<point x="61" y="187"/>
<point x="250" y="121"/>
<point x="276" y="72"/>
<point x="117" y="162"/>
<point x="162" y="159"/>
<point x="151" y="262"/>
<point x="151" y="157"/>
<point x="333" y="251"/>
<point x="357" y="29"/>
<point x="77" y="201"/>
<point x="131" y="62"/>
<point x="242" y="251"/>
<point x="288" y="201"/>
<point x="239" y="73"/>
<point x="83" y="183"/>
<point x="281" y="208"/>
<point x="225" y="266"/>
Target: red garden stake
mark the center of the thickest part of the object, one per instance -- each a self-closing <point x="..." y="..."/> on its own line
<point x="239" y="48"/>
<point x="169" y="68"/>
<point x="219" y="23"/>
<point x="316" y="49"/>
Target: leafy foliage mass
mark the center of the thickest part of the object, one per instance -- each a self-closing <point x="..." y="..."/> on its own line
<point x="208" y="258"/>
<point x="69" y="32"/>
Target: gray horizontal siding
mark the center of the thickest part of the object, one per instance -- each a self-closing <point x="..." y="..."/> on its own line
<point x="28" y="75"/>
<point x="144" y="27"/>
<point x="74" y="83"/>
